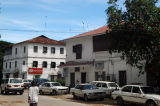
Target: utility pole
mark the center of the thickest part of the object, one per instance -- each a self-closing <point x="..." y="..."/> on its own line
<point x="45" y="25"/>
<point x="83" y="26"/>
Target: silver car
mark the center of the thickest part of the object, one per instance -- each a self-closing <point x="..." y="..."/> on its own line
<point x="52" y="88"/>
<point x="87" y="91"/>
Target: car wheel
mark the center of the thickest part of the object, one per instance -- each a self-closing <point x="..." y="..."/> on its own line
<point x="2" y="91"/>
<point x="101" y="98"/>
<point x="6" y="92"/>
<point x="21" y="93"/>
<point x="151" y="103"/>
<point x="54" y="92"/>
<point x="85" y="98"/>
<point x="40" y="92"/>
<point x="74" y="96"/>
<point x="120" y="101"/>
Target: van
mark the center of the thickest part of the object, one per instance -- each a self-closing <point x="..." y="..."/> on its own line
<point x="108" y="86"/>
<point x="40" y="81"/>
<point x="12" y="85"/>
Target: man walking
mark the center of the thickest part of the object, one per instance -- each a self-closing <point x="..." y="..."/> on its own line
<point x="33" y="94"/>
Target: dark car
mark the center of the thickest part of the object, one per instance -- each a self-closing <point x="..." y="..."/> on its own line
<point x="27" y="83"/>
<point x="40" y="81"/>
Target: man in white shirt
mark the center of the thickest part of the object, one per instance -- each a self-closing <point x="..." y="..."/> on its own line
<point x="33" y="94"/>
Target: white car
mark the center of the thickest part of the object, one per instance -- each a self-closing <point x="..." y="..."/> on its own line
<point x="52" y="88"/>
<point x="12" y="85"/>
<point x="136" y="94"/>
<point x="87" y="91"/>
<point x="109" y="87"/>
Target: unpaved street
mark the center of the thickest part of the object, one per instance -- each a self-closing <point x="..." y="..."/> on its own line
<point x="50" y="100"/>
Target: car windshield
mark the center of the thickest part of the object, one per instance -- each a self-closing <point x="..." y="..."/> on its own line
<point x="87" y="87"/>
<point x="112" y="85"/>
<point x="56" y="84"/>
<point x="15" y="81"/>
<point x="24" y="80"/>
<point x="29" y="80"/>
<point x="147" y="90"/>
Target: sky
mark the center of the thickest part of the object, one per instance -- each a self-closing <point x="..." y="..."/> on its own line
<point x="21" y="20"/>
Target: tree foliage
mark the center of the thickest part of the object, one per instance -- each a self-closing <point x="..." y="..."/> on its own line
<point x="135" y="30"/>
<point x="3" y="45"/>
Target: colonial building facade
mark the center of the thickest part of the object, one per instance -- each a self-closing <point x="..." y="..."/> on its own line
<point x="88" y="60"/>
<point x="35" y="58"/>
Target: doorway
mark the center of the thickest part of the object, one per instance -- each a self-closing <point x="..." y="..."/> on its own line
<point x="122" y="78"/>
<point x="72" y="79"/>
<point x="83" y="77"/>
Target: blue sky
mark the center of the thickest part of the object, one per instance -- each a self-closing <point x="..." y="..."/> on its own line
<point x="63" y="18"/>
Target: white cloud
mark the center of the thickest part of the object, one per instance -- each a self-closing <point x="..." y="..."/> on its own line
<point x="24" y="24"/>
<point x="12" y="2"/>
<point x="54" y="1"/>
<point x="59" y="1"/>
<point x="49" y="8"/>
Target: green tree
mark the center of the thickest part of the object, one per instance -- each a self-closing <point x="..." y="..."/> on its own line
<point x="3" y="45"/>
<point x="135" y="30"/>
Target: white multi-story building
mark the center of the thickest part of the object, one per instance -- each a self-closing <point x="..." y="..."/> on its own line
<point x="35" y="58"/>
<point x="88" y="59"/>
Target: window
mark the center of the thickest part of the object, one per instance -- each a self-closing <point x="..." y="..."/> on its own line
<point x="24" y="49"/>
<point x="78" y="50"/>
<point x="16" y="51"/>
<point x="61" y="50"/>
<point x="127" y="89"/>
<point x="35" y="63"/>
<point x="104" y="85"/>
<point x="44" y="49"/>
<point x="48" y="85"/>
<point x="6" y="65"/>
<point x="52" y="50"/>
<point x="77" y="69"/>
<point x="136" y="90"/>
<point x="98" y="85"/>
<point x="10" y="64"/>
<point x="24" y="63"/>
<point x="102" y="43"/>
<point x="15" y="64"/>
<point x="44" y="64"/>
<point x="61" y="63"/>
<point x="53" y="64"/>
<point x="35" y="49"/>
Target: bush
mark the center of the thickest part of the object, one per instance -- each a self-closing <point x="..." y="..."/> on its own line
<point x="62" y="82"/>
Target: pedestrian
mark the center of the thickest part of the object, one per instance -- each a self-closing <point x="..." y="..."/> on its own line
<point x="77" y="82"/>
<point x="33" y="94"/>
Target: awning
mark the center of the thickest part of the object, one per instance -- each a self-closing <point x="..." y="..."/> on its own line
<point x="52" y="73"/>
<point x="75" y="64"/>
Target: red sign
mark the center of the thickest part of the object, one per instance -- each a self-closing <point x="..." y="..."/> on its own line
<point x="35" y="70"/>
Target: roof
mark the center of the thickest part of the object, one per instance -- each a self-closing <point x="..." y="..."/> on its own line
<point x="98" y="31"/>
<point x="42" y="40"/>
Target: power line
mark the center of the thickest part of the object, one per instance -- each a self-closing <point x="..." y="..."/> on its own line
<point x="23" y="30"/>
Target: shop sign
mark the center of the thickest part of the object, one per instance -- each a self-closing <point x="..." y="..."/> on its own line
<point x="35" y="70"/>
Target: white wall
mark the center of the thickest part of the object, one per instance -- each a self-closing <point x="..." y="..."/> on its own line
<point x="112" y="62"/>
<point x="87" y="49"/>
<point x="48" y="54"/>
<point x="29" y="56"/>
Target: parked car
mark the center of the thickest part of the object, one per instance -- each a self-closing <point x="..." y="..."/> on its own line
<point x="109" y="87"/>
<point x="52" y="88"/>
<point x="40" y="81"/>
<point x="27" y="83"/>
<point x="87" y="91"/>
<point x="12" y="85"/>
<point x="136" y="94"/>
